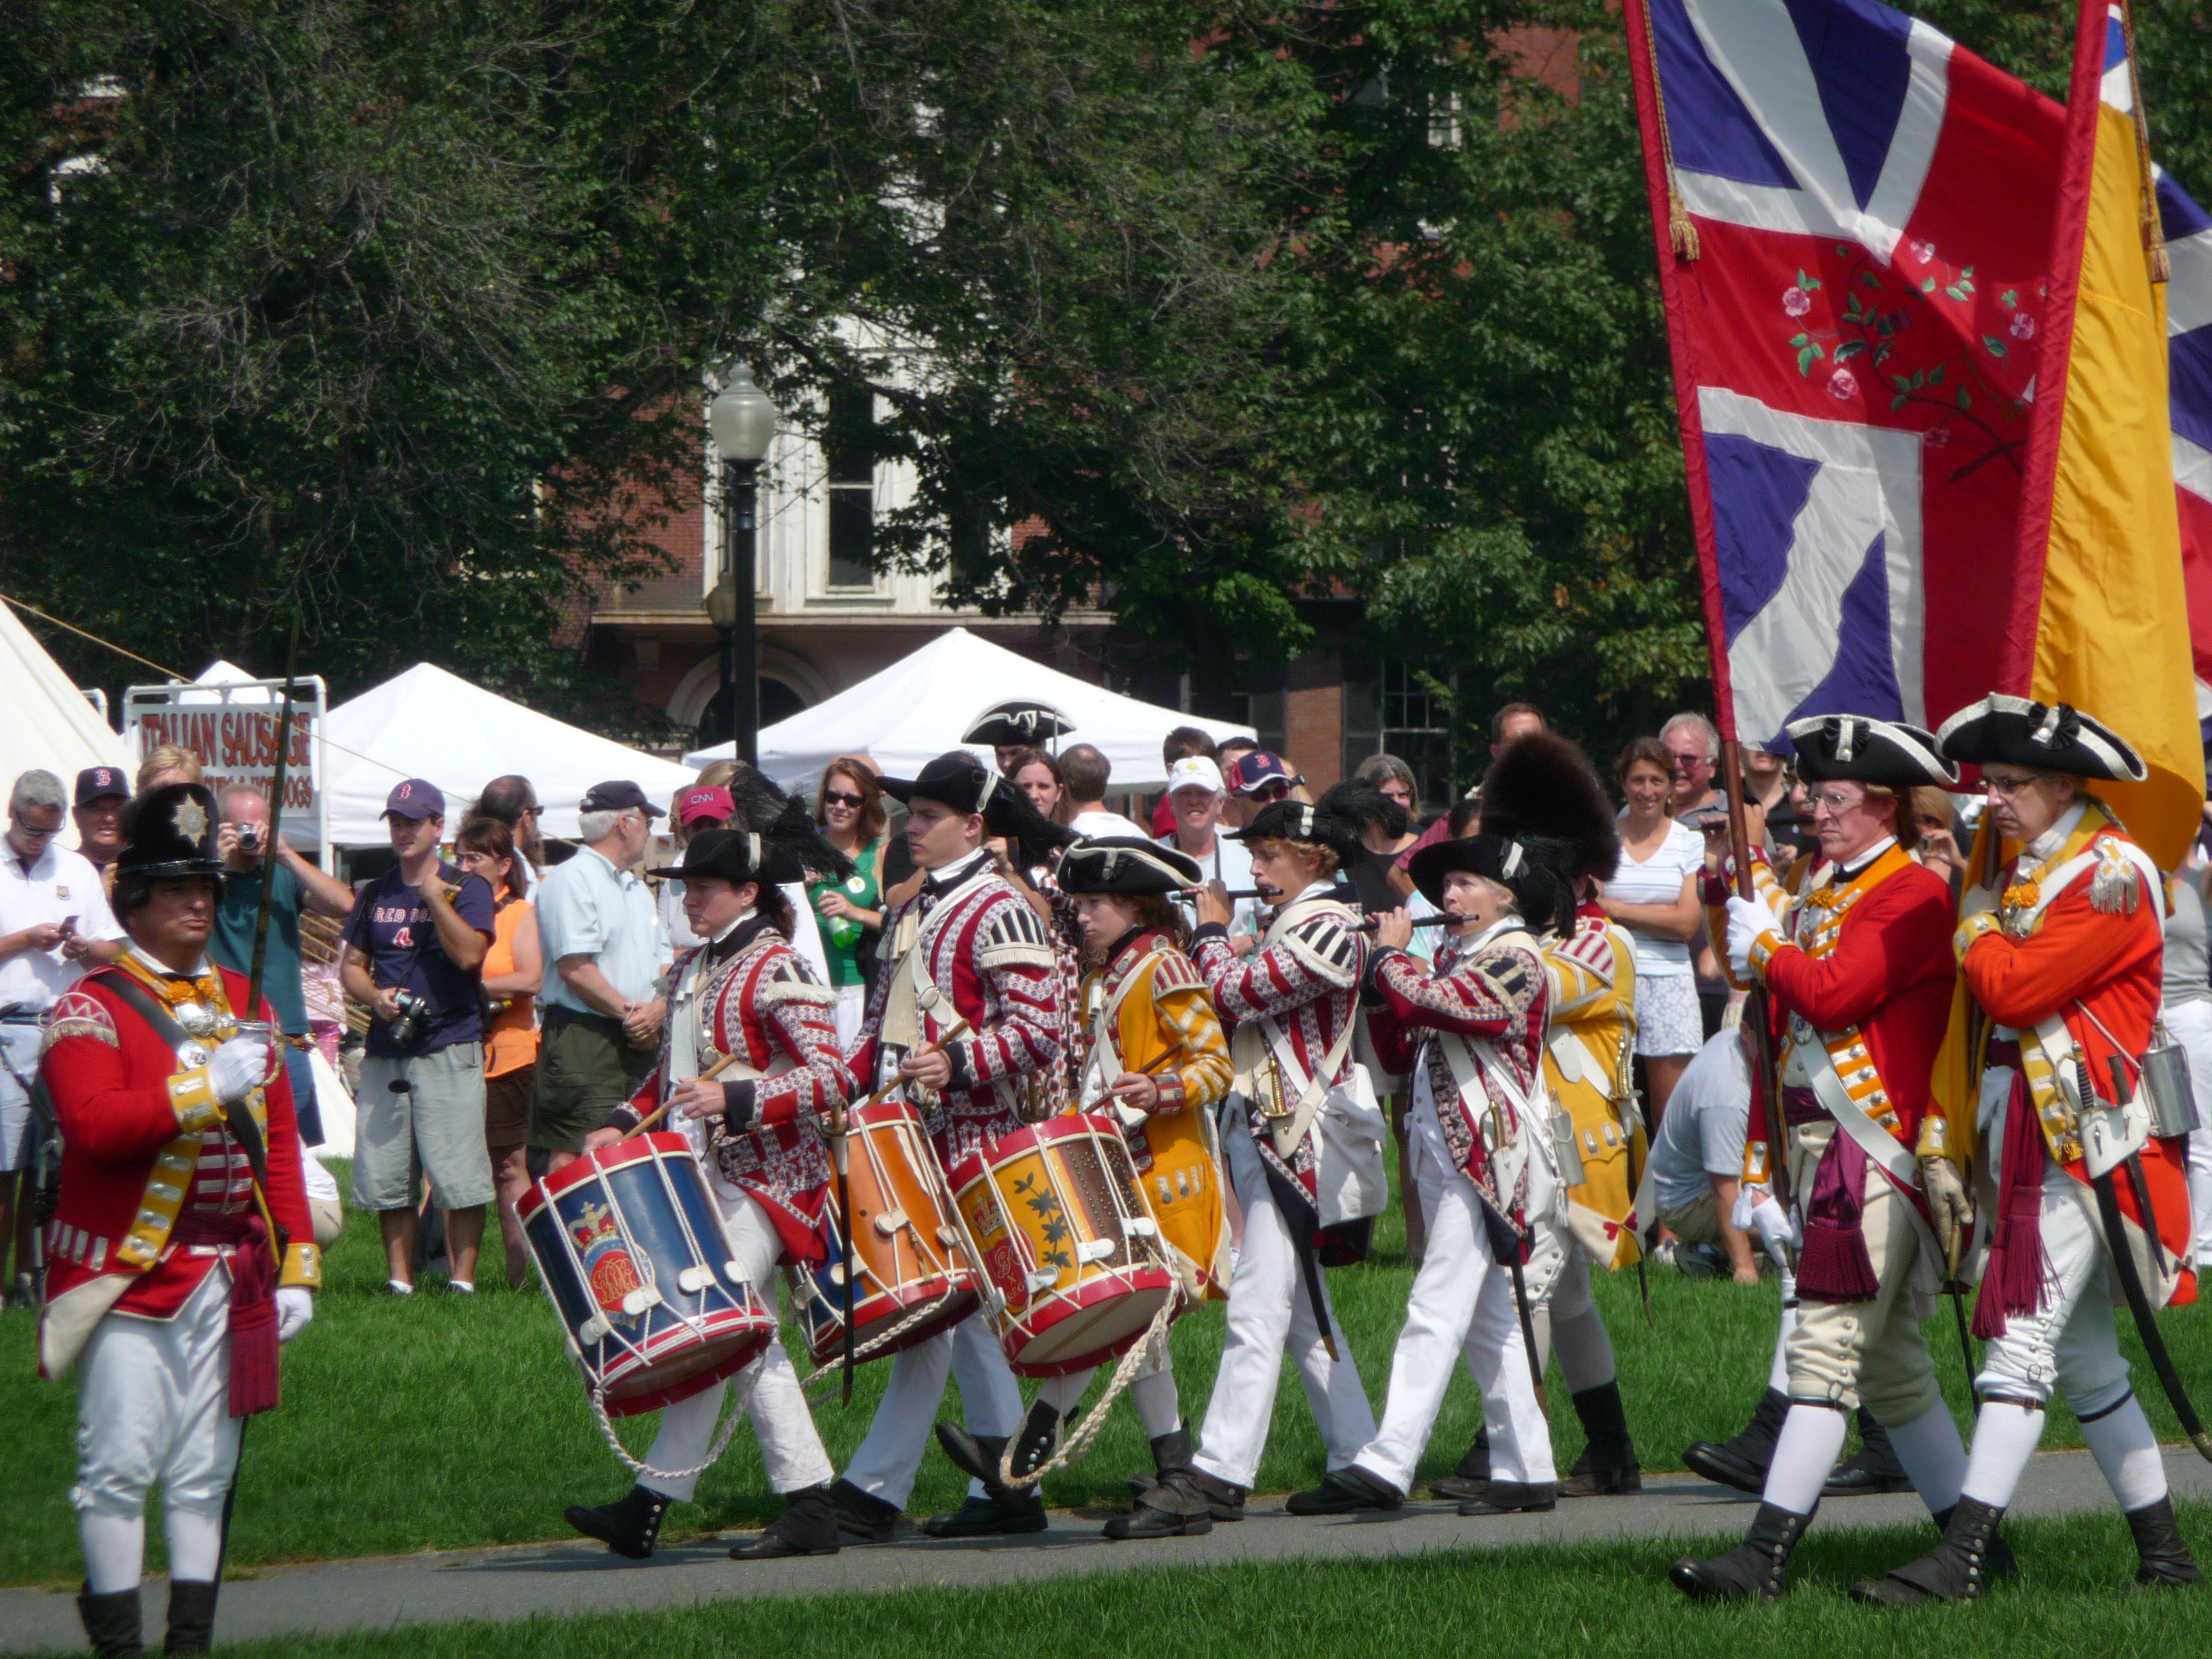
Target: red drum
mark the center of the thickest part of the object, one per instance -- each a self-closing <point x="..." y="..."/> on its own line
<point x="910" y="1260"/>
<point x="630" y="1241"/>
<point x="1065" y="1233"/>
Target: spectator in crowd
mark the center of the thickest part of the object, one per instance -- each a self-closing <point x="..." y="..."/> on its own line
<point x="701" y="807"/>
<point x="54" y="923"/>
<point x="514" y="968"/>
<point x="850" y="807"/>
<point x="1697" y="1159"/>
<point x="1693" y="746"/>
<point x="101" y="795"/>
<point x="1197" y="793"/>
<point x="246" y="845"/>
<point x="1765" y="781"/>
<point x="1086" y="771"/>
<point x="414" y="951"/>
<point x="1036" y="775"/>
<point x="1258" y="777"/>
<point x="603" y="951"/>
<point x="1179" y="744"/>
<point x="1381" y="845"/>
<point x="1653" y="896"/>
<point x="1939" y="848"/>
<point x="512" y="799"/>
<point x="167" y="762"/>
<point x="1512" y="720"/>
<point x="1225" y="755"/>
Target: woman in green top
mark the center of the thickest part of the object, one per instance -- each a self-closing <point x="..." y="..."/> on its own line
<point x="850" y="807"/>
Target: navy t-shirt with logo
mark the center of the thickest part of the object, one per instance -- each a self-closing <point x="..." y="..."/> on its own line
<point x="392" y="927"/>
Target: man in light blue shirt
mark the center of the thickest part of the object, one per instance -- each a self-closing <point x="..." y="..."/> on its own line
<point x="604" y="950"/>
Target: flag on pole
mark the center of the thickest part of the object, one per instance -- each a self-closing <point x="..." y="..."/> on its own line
<point x="1872" y="277"/>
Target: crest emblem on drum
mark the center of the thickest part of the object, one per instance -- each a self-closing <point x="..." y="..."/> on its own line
<point x="608" y="1267"/>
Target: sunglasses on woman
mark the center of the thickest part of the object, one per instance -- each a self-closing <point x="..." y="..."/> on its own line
<point x="840" y="798"/>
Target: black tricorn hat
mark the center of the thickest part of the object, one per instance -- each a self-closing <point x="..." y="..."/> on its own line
<point x="1018" y="721"/>
<point x="1032" y="836"/>
<point x="790" y="850"/>
<point x="1123" y="863"/>
<point x="1862" y="748"/>
<point x="1544" y="785"/>
<point x="169" y="832"/>
<point x="1334" y="821"/>
<point x="958" y="781"/>
<point x="2042" y="737"/>
<point x="1533" y="868"/>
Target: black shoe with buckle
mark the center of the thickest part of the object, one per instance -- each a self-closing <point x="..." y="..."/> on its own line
<point x="1223" y="1501"/>
<point x="1472" y="1475"/>
<point x="807" y="1527"/>
<point x="1754" y="1570"/>
<point x="1002" y="1513"/>
<point x="1513" y="1497"/>
<point x="1741" y="1461"/>
<point x="1872" y="1469"/>
<point x="1957" y="1569"/>
<point x="862" y="1514"/>
<point x="629" y="1526"/>
<point x="1346" y="1491"/>
<point x="1172" y="1506"/>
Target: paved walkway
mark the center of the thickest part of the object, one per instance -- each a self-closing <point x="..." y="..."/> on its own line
<point x="519" y="1581"/>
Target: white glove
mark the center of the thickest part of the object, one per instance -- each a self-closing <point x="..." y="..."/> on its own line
<point x="1777" y="1232"/>
<point x="1746" y="922"/>
<point x="296" y="1306"/>
<point x="1948" y="1203"/>
<point x="239" y="1067"/>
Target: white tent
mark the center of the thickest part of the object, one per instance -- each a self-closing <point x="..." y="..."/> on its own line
<point x="429" y="724"/>
<point x="919" y="707"/>
<point x="49" y="724"/>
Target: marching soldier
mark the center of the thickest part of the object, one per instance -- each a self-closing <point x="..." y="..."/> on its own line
<point x="1859" y="973"/>
<point x="2059" y="969"/>
<point x="1471" y="1033"/>
<point x="182" y="1252"/>
<point x="967" y="947"/>
<point x="1290" y="1010"/>
<point x="746" y="993"/>
<point x="1151" y="1055"/>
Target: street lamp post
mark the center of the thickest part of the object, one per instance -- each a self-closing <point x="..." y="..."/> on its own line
<point x="742" y="420"/>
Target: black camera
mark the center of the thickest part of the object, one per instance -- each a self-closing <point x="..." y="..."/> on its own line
<point x="406" y="1027"/>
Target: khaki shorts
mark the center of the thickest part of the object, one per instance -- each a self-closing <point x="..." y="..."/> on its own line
<point x="585" y="1068"/>
<point x="433" y="1127"/>
<point x="1693" y="1224"/>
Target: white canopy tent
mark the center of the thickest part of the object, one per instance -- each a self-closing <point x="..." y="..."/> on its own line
<point x="918" y="707"/>
<point x="50" y="724"/>
<point x="429" y="724"/>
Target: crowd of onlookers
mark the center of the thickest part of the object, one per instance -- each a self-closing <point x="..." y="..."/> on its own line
<point x="497" y="1004"/>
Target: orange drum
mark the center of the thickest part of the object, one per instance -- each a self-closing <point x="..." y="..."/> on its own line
<point x="910" y="1260"/>
<point x="1065" y="1234"/>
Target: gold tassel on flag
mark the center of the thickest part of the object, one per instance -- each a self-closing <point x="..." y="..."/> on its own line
<point x="1681" y="234"/>
<point x="2153" y="235"/>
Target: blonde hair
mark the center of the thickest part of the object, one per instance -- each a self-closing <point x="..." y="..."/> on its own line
<point x="169" y="757"/>
<point x="1330" y="864"/>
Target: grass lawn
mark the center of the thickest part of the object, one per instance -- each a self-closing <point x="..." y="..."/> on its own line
<point x="1528" y="1602"/>
<point x="435" y="1422"/>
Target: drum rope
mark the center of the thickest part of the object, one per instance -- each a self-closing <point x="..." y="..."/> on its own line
<point x="868" y="1350"/>
<point x="732" y="1415"/>
<point x="1073" y="1450"/>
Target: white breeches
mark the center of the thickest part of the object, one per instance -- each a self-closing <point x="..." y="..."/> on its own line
<point x="152" y="1405"/>
<point x="1461" y="1304"/>
<point x="2069" y="1345"/>
<point x="990" y="1400"/>
<point x="1269" y="1314"/>
<point x="2191" y="1025"/>
<point x="1562" y="1309"/>
<point x="791" y="1451"/>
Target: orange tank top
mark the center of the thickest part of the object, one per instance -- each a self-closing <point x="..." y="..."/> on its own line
<point x="511" y="1035"/>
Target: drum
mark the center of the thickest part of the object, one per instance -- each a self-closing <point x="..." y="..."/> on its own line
<point x="1063" y="1231"/>
<point x="910" y="1260"/>
<point x="630" y="1241"/>
<point x="1178" y="1169"/>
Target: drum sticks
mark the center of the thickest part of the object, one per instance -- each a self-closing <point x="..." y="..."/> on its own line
<point x="661" y="1111"/>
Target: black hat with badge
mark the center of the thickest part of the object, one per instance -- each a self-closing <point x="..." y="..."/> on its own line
<point x="1336" y="821"/>
<point x="961" y="782"/>
<point x="170" y="832"/>
<point x="791" y="848"/>
<point x="1534" y="869"/>
<point x="1018" y="720"/>
<point x="1543" y="785"/>
<point x="1126" y="865"/>
<point x="2052" y="736"/>
<point x="1858" y="748"/>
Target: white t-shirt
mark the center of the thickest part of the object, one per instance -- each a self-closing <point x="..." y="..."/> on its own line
<point x="1706" y="1118"/>
<point x="1230" y="865"/>
<point x="1659" y="881"/>
<point x="1106" y="824"/>
<point x="59" y="883"/>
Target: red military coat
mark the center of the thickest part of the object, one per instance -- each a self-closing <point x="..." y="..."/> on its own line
<point x="144" y="1142"/>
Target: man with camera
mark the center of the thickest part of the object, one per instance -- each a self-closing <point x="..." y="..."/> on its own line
<point x="244" y="840"/>
<point x="414" y="950"/>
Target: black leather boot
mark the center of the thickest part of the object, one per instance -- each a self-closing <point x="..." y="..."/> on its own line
<point x="1755" y="1569"/>
<point x="1872" y="1469"/>
<point x="1000" y="1512"/>
<point x="808" y="1525"/>
<point x="1346" y="1491"/>
<point x="974" y="1455"/>
<point x="1033" y="1446"/>
<point x="862" y="1514"/>
<point x="111" y="1621"/>
<point x="1170" y="1452"/>
<point x="1741" y="1462"/>
<point x="1170" y="1505"/>
<point x="1473" y="1473"/>
<point x="1956" y="1570"/>
<point x="1513" y="1497"/>
<point x="1608" y="1463"/>
<point x="192" y="1616"/>
<point x="2167" y="1563"/>
<point x="629" y="1527"/>
<point x="1223" y="1501"/>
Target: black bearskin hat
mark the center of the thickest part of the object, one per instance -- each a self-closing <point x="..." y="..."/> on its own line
<point x="1544" y="785"/>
